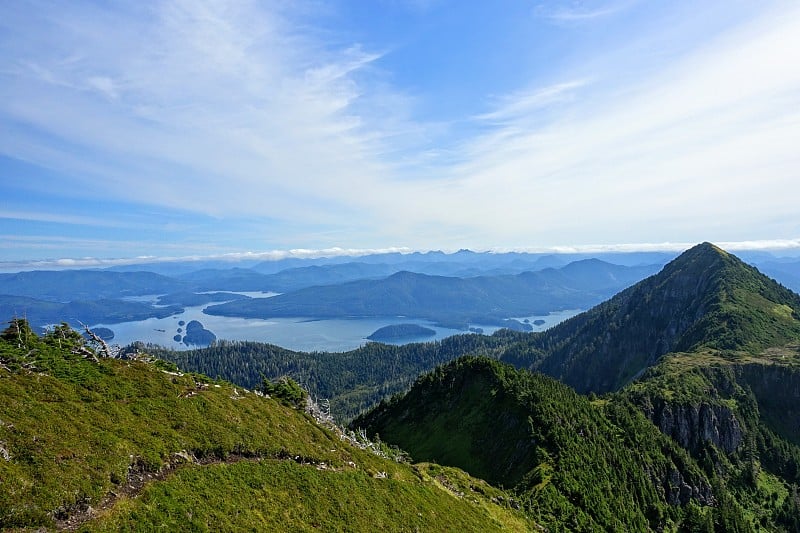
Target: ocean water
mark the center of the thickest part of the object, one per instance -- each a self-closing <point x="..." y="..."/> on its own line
<point x="301" y="334"/>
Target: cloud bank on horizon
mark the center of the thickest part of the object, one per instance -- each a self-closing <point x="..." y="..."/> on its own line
<point x="182" y="128"/>
<point x="777" y="248"/>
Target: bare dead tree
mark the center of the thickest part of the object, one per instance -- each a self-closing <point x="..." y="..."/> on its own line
<point x="86" y="352"/>
<point x="19" y="333"/>
<point x="15" y="323"/>
<point x="105" y="351"/>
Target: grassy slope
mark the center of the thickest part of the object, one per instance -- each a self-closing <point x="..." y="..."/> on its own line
<point x="748" y="311"/>
<point x="286" y="495"/>
<point x="73" y="431"/>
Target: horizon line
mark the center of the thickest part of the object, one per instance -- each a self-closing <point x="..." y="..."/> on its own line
<point x="772" y="245"/>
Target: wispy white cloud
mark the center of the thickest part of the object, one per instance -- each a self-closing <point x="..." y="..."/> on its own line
<point x="193" y="103"/>
<point x="702" y="147"/>
<point x="234" y="257"/>
<point x="64" y="218"/>
<point x="241" y="110"/>
<point x="86" y="245"/>
<point x="104" y="85"/>
<point x="519" y="106"/>
<point x="579" y="11"/>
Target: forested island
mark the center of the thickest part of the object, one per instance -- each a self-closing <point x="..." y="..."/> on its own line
<point x="197" y="334"/>
<point x="397" y="332"/>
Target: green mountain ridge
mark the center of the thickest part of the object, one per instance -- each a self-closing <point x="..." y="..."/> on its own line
<point x="705" y="298"/>
<point x="577" y="465"/>
<point x="708" y="350"/>
<point x="135" y="445"/>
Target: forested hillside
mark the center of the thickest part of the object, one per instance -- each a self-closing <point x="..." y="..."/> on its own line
<point x="705" y="298"/>
<point x="708" y="350"/>
<point x="352" y="381"/>
<point x="699" y="432"/>
<point x="578" y="465"/>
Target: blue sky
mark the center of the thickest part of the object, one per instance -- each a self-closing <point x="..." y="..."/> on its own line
<point x="187" y="128"/>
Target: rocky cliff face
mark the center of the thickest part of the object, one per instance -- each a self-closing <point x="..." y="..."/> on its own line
<point x="679" y="492"/>
<point x="776" y="388"/>
<point x="770" y="382"/>
<point x="695" y="426"/>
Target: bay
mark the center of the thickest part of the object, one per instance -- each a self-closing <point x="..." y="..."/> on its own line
<point x="299" y="334"/>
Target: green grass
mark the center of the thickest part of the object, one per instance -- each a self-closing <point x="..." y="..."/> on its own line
<point x="73" y="429"/>
<point x="70" y="441"/>
<point x="280" y="495"/>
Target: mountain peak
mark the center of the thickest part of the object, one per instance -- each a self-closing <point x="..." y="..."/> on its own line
<point x="704" y="298"/>
<point x="704" y="255"/>
<point x="707" y="247"/>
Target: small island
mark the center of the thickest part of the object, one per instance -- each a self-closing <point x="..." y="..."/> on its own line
<point x="516" y="325"/>
<point x="398" y="332"/>
<point x="104" y="333"/>
<point x="197" y="335"/>
<point x="538" y="322"/>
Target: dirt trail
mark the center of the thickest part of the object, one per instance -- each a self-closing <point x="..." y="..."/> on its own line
<point x="74" y="517"/>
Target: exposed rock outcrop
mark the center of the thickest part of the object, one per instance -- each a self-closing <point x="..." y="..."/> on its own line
<point x="679" y="492"/>
<point x="695" y="426"/>
<point x="776" y="388"/>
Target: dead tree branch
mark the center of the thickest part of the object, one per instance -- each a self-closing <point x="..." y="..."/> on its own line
<point x="105" y="351"/>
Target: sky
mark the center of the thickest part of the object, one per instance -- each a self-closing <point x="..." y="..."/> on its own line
<point x="239" y="129"/>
